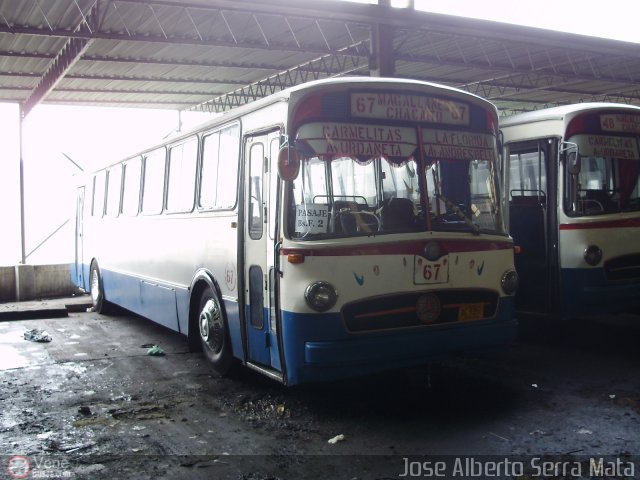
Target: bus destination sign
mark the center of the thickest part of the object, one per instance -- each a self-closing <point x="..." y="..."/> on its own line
<point x="409" y="107"/>
<point x="457" y="145"/>
<point x="369" y="141"/>
<point x="608" y="146"/>
<point x="620" y="122"/>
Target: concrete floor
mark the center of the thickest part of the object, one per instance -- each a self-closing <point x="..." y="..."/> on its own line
<point x="94" y="404"/>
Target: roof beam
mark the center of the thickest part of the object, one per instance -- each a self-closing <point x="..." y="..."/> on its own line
<point x="323" y="67"/>
<point x="207" y="25"/>
<point x="63" y="61"/>
<point x="57" y="32"/>
<point x="159" y="61"/>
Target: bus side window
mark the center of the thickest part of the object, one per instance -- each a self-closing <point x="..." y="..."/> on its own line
<point x="153" y="189"/>
<point x="273" y="188"/>
<point x="181" y="183"/>
<point x="131" y="186"/>
<point x="209" y="171"/>
<point x="527" y="203"/>
<point x="219" y="172"/>
<point x="256" y="166"/>
<point x="99" y="180"/>
<point x="114" y="188"/>
<point x="527" y="177"/>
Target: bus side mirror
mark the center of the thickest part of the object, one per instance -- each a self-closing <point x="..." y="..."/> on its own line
<point x="573" y="163"/>
<point x="288" y="163"/>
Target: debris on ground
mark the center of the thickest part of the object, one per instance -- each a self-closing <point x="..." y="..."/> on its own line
<point x="155" y="351"/>
<point x="84" y="410"/>
<point x="37" y="335"/>
<point x="336" y="439"/>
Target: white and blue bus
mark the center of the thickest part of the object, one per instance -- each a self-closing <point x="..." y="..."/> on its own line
<point x="573" y="193"/>
<point x="334" y="229"/>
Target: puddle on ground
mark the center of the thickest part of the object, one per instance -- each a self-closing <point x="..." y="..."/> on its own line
<point x="16" y="352"/>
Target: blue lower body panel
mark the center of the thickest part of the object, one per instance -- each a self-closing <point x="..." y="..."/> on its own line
<point x="318" y="348"/>
<point x="585" y="291"/>
<point x="165" y="304"/>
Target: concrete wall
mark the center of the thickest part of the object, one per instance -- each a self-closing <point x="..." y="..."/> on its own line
<point x="29" y="282"/>
<point x="7" y="284"/>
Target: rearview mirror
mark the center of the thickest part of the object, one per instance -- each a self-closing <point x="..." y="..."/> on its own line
<point x="288" y="163"/>
<point x="571" y="157"/>
<point x="573" y="163"/>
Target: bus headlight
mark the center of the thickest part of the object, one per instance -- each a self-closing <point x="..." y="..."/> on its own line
<point x="592" y="255"/>
<point x="510" y="282"/>
<point x="321" y="296"/>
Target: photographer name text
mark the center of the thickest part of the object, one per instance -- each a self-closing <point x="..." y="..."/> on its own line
<point x="469" y="467"/>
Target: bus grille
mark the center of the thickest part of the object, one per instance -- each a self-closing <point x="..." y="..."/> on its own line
<point x="623" y="268"/>
<point x="399" y="311"/>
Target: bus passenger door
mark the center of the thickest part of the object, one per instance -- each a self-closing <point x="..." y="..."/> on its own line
<point x="530" y="199"/>
<point x="259" y="214"/>
<point x="78" y="277"/>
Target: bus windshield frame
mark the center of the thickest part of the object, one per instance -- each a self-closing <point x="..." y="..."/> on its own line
<point x="370" y="177"/>
<point x="605" y="178"/>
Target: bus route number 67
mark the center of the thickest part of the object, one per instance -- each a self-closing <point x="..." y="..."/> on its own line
<point x="425" y="271"/>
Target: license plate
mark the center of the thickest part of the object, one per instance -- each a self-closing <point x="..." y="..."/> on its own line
<point x="471" y="311"/>
<point x="426" y="271"/>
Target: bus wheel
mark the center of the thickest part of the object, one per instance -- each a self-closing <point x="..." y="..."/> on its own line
<point x="214" y="335"/>
<point x="100" y="305"/>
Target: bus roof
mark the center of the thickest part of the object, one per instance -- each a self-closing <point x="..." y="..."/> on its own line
<point x="562" y="112"/>
<point x="288" y="93"/>
<point x="299" y="90"/>
<point x="373" y="81"/>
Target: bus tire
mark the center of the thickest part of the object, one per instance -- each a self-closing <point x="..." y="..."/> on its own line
<point x="98" y="301"/>
<point x="214" y="332"/>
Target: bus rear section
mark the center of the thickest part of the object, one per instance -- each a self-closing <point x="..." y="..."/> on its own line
<point x="574" y="208"/>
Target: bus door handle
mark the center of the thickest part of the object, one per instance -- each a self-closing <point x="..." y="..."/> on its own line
<point x="276" y="259"/>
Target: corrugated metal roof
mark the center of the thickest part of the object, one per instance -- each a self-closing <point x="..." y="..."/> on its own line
<point x="181" y="55"/>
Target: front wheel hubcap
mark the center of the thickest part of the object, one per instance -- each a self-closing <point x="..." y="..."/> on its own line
<point x="95" y="287"/>
<point x="211" y="327"/>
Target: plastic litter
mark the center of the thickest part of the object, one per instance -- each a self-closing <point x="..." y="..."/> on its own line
<point x="336" y="439"/>
<point x="155" y="351"/>
<point x="37" y="335"/>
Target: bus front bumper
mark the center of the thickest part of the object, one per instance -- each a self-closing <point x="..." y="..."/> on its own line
<point x="362" y="355"/>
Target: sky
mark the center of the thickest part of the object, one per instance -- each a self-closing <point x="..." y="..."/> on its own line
<point x="96" y="136"/>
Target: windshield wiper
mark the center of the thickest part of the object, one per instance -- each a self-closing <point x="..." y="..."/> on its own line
<point x="460" y="214"/>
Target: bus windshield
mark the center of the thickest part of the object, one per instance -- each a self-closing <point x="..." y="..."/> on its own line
<point x="446" y="184"/>
<point x="607" y="178"/>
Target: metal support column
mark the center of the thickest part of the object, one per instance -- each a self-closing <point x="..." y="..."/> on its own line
<point x="382" y="61"/>
<point x="23" y="256"/>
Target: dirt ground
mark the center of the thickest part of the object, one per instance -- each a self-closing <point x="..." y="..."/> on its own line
<point x="92" y="403"/>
